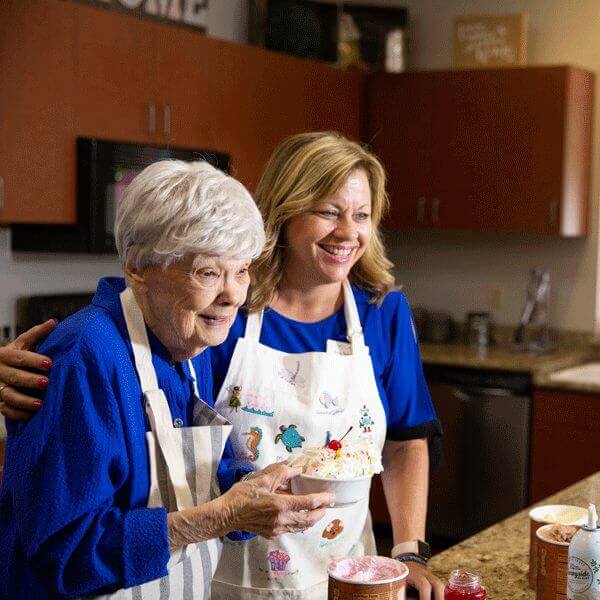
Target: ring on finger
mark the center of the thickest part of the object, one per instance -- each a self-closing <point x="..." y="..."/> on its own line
<point x="2" y="386"/>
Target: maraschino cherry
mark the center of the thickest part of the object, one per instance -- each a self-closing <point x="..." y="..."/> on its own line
<point x="335" y="445"/>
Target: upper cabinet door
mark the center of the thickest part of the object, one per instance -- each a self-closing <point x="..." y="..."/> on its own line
<point x="116" y="84"/>
<point x="464" y="140"/>
<point x="186" y="89"/>
<point x="493" y="150"/>
<point x="244" y="101"/>
<point x="544" y="152"/>
<point x="37" y="118"/>
<point x="400" y="125"/>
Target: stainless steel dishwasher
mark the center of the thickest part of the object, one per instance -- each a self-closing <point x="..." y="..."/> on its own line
<point x="484" y="476"/>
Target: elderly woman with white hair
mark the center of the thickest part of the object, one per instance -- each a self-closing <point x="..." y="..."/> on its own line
<point x="114" y="483"/>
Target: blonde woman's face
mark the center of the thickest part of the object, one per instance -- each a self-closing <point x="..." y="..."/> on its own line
<point x="324" y="243"/>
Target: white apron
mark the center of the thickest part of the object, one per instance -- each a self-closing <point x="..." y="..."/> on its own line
<point x="183" y="471"/>
<point x="279" y="404"/>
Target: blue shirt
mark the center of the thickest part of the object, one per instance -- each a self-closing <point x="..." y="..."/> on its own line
<point x="389" y="334"/>
<point x="73" y="516"/>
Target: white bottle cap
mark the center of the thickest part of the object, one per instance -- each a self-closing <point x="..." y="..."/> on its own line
<point x="592" y="517"/>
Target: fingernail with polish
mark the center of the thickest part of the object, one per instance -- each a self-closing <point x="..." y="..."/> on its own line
<point x="46" y="364"/>
<point x="37" y="404"/>
<point x="42" y="383"/>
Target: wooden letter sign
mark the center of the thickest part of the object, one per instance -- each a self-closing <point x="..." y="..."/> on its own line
<point x="189" y="13"/>
<point x="490" y="41"/>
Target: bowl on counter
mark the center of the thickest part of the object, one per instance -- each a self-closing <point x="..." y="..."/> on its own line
<point x="347" y="491"/>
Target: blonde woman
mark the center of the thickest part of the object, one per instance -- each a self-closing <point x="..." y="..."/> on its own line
<point x="325" y="345"/>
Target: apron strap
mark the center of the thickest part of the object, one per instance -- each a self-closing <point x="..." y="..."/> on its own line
<point x="170" y="442"/>
<point x="253" y="326"/>
<point x="156" y="405"/>
<point x="354" y="328"/>
<point x="136" y="327"/>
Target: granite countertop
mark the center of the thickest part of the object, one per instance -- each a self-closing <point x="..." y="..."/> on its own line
<point x="502" y="358"/>
<point x="501" y="552"/>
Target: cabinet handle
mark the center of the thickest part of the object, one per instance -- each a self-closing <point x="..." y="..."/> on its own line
<point x="151" y="119"/>
<point x="553" y="212"/>
<point x="167" y="120"/>
<point x="1" y="192"/>
<point x="421" y="209"/>
<point x="435" y="210"/>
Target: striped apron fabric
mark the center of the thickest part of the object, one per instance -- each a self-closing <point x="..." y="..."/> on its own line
<point x="183" y="471"/>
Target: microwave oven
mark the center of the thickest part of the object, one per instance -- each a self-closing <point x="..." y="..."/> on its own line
<point x="104" y="169"/>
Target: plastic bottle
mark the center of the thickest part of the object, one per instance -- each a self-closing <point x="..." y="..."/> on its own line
<point x="464" y="585"/>
<point x="583" y="580"/>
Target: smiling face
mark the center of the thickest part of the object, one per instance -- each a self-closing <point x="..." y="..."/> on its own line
<point x="193" y="302"/>
<point x="324" y="243"/>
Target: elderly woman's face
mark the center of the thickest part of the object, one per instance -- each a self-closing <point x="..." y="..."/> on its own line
<point x="192" y="303"/>
<point x="327" y="241"/>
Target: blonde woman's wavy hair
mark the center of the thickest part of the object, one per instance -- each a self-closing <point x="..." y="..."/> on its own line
<point x="303" y="170"/>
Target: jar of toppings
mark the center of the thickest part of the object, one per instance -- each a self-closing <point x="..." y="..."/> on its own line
<point x="464" y="585"/>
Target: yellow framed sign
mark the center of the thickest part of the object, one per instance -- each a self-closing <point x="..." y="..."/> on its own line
<point x="490" y="41"/>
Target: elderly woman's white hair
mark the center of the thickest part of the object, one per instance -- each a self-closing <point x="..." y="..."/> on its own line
<point x="173" y="208"/>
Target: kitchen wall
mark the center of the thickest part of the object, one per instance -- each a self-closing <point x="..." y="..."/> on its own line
<point x="455" y="272"/>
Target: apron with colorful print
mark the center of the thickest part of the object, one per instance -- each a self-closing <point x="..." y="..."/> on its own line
<point x="280" y="404"/>
<point x="183" y="471"/>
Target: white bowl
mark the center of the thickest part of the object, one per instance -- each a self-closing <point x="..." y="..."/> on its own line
<point x="347" y="491"/>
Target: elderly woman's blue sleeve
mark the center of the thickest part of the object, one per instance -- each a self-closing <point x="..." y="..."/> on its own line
<point x="72" y="467"/>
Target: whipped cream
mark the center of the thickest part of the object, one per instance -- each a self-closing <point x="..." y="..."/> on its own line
<point x="356" y="458"/>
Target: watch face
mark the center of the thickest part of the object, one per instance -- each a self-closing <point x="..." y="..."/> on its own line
<point x="424" y="549"/>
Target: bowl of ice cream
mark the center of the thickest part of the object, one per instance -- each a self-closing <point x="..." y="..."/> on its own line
<point x="343" y="468"/>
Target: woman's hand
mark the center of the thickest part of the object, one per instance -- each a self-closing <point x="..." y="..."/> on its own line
<point x="14" y="359"/>
<point x="424" y="581"/>
<point x="255" y="505"/>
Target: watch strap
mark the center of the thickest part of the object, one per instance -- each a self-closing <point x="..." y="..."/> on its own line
<point x="416" y="547"/>
<point x="409" y="557"/>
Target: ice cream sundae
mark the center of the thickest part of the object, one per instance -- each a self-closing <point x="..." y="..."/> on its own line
<point x="340" y="460"/>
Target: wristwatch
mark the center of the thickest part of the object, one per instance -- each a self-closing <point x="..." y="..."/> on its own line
<point x="417" y="548"/>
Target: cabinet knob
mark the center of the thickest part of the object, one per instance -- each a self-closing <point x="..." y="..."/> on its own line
<point x="151" y="119"/>
<point x="435" y="210"/>
<point x="421" y="204"/>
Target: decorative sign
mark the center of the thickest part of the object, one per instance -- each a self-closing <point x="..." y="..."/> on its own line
<point x="491" y="41"/>
<point x="191" y="13"/>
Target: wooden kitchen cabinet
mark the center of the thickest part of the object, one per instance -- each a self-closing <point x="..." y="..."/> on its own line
<point x="116" y="76"/>
<point x="565" y="440"/>
<point x="37" y="112"/>
<point x="488" y="150"/>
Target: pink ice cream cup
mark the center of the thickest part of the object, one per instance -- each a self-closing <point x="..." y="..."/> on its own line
<point x="367" y="578"/>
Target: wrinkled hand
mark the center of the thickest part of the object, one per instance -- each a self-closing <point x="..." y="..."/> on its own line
<point x="424" y="581"/>
<point x="14" y="359"/>
<point x="257" y="505"/>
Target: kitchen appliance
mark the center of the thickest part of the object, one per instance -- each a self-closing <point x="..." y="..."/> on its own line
<point x="479" y="330"/>
<point x="533" y="332"/>
<point x="104" y="169"/>
<point x="33" y="310"/>
<point x="484" y="477"/>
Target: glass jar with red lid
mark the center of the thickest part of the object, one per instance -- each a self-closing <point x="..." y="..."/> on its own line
<point x="464" y="585"/>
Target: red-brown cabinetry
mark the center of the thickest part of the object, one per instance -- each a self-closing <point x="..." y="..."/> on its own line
<point x="492" y="150"/>
<point x="565" y="440"/>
